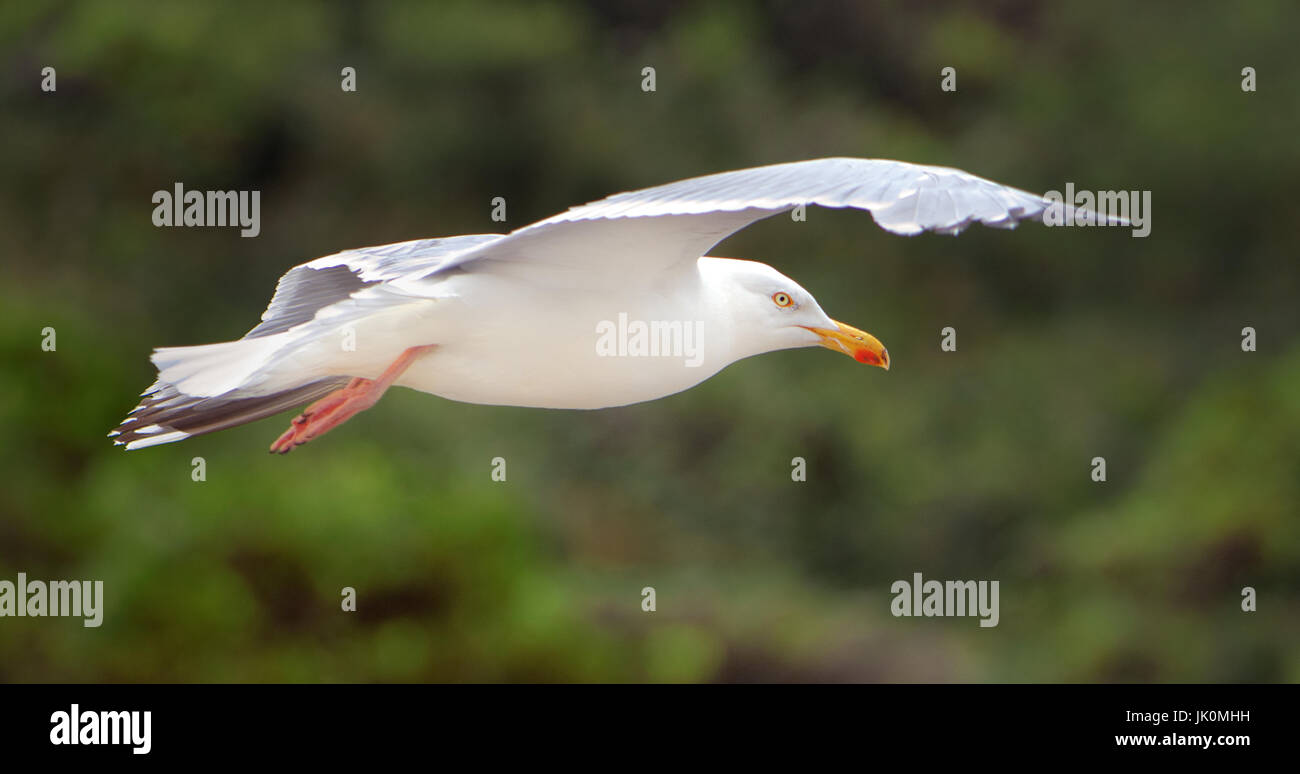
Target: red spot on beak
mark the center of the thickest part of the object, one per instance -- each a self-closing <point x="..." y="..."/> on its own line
<point x="867" y="356"/>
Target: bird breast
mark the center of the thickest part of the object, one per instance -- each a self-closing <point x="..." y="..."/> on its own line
<point x="515" y="344"/>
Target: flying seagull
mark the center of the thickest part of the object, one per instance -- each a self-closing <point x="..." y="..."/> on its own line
<point x="607" y="304"/>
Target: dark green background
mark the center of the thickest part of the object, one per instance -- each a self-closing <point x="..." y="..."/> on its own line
<point x="1073" y="343"/>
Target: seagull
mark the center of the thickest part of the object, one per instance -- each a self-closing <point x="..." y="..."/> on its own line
<point x="607" y="304"/>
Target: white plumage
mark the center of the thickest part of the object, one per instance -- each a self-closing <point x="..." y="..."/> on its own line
<point x="514" y="319"/>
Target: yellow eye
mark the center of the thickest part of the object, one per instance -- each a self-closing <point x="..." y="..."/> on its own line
<point x="782" y="300"/>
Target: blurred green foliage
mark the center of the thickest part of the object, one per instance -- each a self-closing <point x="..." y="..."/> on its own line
<point x="1073" y="343"/>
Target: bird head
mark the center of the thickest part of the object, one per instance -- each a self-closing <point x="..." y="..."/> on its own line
<point x="773" y="312"/>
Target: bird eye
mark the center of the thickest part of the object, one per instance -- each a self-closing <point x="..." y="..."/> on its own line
<point x="782" y="300"/>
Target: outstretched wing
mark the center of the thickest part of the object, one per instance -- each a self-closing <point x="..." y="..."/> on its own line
<point x="308" y="288"/>
<point x="650" y="229"/>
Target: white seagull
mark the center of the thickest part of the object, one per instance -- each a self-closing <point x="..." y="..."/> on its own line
<point x="607" y="304"/>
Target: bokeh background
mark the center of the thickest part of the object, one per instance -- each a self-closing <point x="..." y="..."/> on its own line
<point x="1073" y="343"/>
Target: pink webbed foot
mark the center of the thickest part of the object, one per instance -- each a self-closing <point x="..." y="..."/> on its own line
<point x="341" y="405"/>
<point x="326" y="414"/>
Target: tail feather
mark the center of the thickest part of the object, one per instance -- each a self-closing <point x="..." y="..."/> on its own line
<point x="166" y="414"/>
<point x="212" y="370"/>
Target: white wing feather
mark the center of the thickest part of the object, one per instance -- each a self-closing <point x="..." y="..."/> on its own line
<point x="650" y="229"/>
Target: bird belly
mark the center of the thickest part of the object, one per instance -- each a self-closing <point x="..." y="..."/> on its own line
<point x="570" y="376"/>
<point x="568" y="350"/>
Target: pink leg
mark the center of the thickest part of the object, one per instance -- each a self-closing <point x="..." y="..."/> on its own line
<point x="341" y="405"/>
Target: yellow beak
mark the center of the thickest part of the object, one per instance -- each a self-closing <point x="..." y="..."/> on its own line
<point x="859" y="345"/>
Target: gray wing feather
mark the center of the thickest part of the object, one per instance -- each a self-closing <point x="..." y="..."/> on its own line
<point x="308" y="288"/>
<point x="404" y="259"/>
<point x="302" y="292"/>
